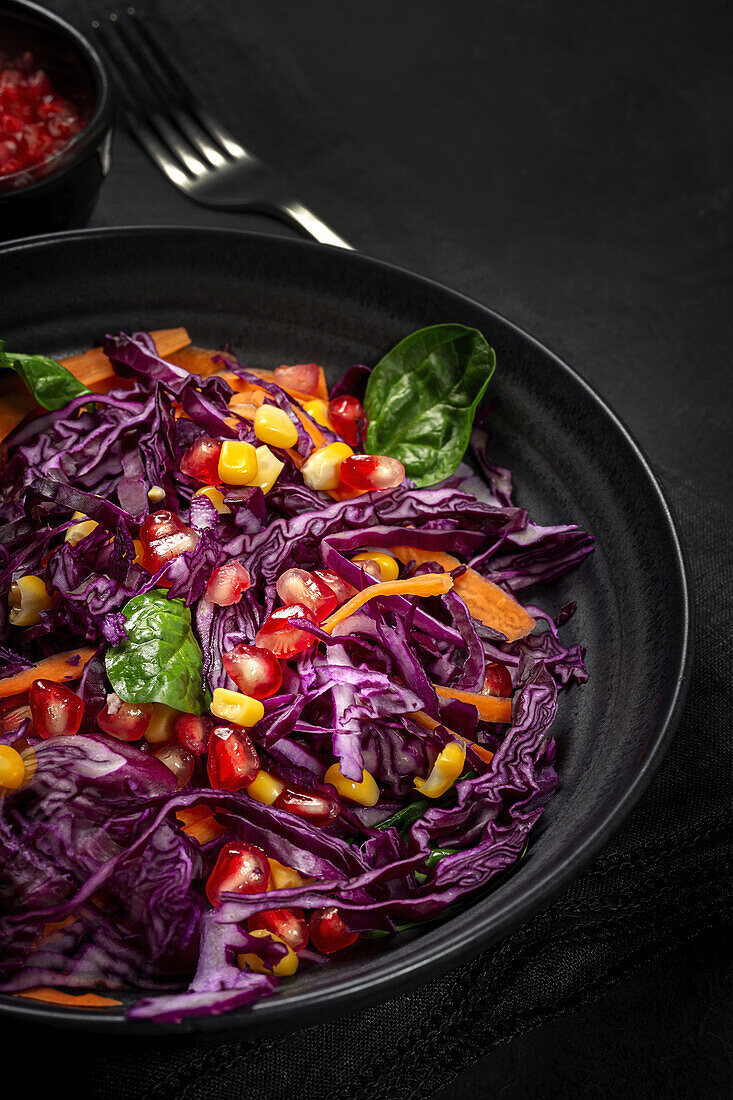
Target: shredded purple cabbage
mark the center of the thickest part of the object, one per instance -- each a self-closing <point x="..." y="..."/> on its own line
<point x="100" y="886"/>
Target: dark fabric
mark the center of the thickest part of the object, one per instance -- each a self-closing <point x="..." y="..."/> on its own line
<point x="665" y="879"/>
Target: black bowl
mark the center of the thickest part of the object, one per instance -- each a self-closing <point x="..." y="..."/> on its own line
<point x="280" y="301"/>
<point x="62" y="192"/>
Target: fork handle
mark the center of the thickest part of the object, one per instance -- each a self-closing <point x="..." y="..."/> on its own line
<point x="306" y="220"/>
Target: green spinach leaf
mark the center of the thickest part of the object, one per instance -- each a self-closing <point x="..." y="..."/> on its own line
<point x="422" y="397"/>
<point x="50" y="383"/>
<point x="161" y="661"/>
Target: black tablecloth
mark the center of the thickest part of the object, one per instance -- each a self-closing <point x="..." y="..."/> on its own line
<point x="570" y="166"/>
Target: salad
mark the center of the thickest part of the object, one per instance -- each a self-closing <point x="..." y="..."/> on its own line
<point x="267" y="685"/>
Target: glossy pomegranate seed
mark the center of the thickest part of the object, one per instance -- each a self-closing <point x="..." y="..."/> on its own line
<point x="55" y="709"/>
<point x="288" y="924"/>
<point x="341" y="588"/>
<point x="193" y="733"/>
<point x="328" y="932"/>
<point x="201" y="460"/>
<point x="282" y="639"/>
<point x="298" y="586"/>
<point x="239" y="869"/>
<point x="301" y="376"/>
<point x="364" y="473"/>
<point x="318" y="807"/>
<point x="232" y="761"/>
<point x="125" y="721"/>
<point x="348" y="418"/>
<point x="39" y="121"/>
<point x="497" y="680"/>
<point x="179" y="760"/>
<point x="227" y="584"/>
<point x="255" y="671"/>
<point x="164" y="538"/>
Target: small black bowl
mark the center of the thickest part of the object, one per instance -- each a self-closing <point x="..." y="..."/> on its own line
<point x="65" y="194"/>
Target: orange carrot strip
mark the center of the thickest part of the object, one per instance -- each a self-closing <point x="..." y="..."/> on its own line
<point x="71" y="1000"/>
<point x="311" y="427"/>
<point x="488" y="603"/>
<point x="200" y="824"/>
<point x="93" y="366"/>
<point x="57" y="668"/>
<point x="491" y="708"/>
<point x="429" y="723"/>
<point x="431" y="584"/>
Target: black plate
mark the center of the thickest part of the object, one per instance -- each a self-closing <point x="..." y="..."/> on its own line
<point x="279" y="300"/>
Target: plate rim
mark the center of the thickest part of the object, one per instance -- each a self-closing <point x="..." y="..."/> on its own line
<point x="394" y="977"/>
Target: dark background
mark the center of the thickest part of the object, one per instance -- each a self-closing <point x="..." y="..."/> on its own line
<point x="568" y="164"/>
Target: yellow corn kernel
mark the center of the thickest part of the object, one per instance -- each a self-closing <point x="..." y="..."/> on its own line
<point x="389" y="568"/>
<point x="160" y="726"/>
<point x="237" y="462"/>
<point x="317" y="410"/>
<point x="287" y="965"/>
<point x="156" y="494"/>
<point x="282" y="877"/>
<point x="139" y="551"/>
<point x="365" y="793"/>
<point x="321" y="469"/>
<point x="12" y="768"/>
<point x="79" y="531"/>
<point x="444" y="771"/>
<point x="265" y="788"/>
<point x="234" y="707"/>
<point x="27" y="599"/>
<point x="274" y="426"/>
<point x="269" y="468"/>
<point x="216" y="497"/>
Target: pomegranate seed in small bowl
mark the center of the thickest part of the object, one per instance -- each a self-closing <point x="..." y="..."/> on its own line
<point x="255" y="671"/>
<point x="56" y="710"/>
<point x="54" y="80"/>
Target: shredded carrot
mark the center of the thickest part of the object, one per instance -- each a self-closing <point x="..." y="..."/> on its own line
<point x="312" y="428"/>
<point x="56" y="926"/>
<point x="488" y="603"/>
<point x="200" y="824"/>
<point x="492" y="708"/>
<point x="71" y="1000"/>
<point x="58" y="668"/>
<point x="429" y="723"/>
<point x="94" y="369"/>
<point x="430" y="584"/>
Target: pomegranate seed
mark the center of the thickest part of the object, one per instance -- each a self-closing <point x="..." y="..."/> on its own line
<point x="282" y="639"/>
<point x="497" y="680"/>
<point x="55" y="709"/>
<point x="255" y="671"/>
<point x="179" y="760"/>
<point x="288" y="924"/>
<point x="363" y="473"/>
<point x="328" y="932"/>
<point x="233" y="762"/>
<point x="301" y="376"/>
<point x="193" y="733"/>
<point x="125" y="721"/>
<point x="342" y="589"/>
<point x="239" y="869"/>
<point x="201" y="460"/>
<point x="164" y="538"/>
<point x="38" y="120"/>
<point x="318" y="807"/>
<point x="348" y="418"/>
<point x="227" y="584"/>
<point x="298" y="586"/>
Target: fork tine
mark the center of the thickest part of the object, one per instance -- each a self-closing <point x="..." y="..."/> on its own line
<point x="170" y="92"/>
<point x="181" y="89"/>
<point x="156" y="132"/>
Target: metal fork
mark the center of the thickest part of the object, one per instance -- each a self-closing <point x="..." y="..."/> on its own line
<point x="197" y="154"/>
